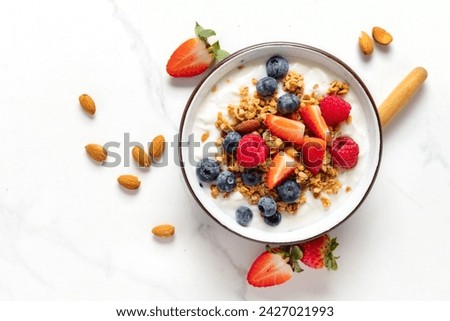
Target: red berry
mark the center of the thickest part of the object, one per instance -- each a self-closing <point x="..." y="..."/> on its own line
<point x="318" y="253"/>
<point x="287" y="129"/>
<point x="252" y="151"/>
<point x="334" y="110"/>
<point x="269" y="269"/>
<point x="282" y="166"/>
<point x="313" y="153"/>
<point x="344" y="152"/>
<point x="313" y="119"/>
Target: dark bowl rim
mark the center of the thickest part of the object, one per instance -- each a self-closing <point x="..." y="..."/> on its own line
<point x="281" y="44"/>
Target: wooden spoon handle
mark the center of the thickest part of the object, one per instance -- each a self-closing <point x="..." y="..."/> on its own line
<point x="400" y="96"/>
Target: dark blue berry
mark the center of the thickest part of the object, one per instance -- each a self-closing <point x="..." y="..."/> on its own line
<point x="273" y="220"/>
<point x="207" y="170"/>
<point x="267" y="206"/>
<point x="231" y="142"/>
<point x="289" y="191"/>
<point x="266" y="86"/>
<point x="251" y="176"/>
<point x="277" y="67"/>
<point x="287" y="103"/>
<point x="226" y="181"/>
<point x="244" y="215"/>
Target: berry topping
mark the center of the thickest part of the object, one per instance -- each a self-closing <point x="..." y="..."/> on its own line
<point x="266" y="86"/>
<point x="244" y="215"/>
<point x="195" y="55"/>
<point x="273" y="220"/>
<point x="267" y="206"/>
<point x="226" y="181"/>
<point x="277" y="67"/>
<point x="207" y="170"/>
<point x="287" y="129"/>
<point x="282" y="166"/>
<point x="251" y="176"/>
<point x="314" y="121"/>
<point x="344" y="152"/>
<point x="289" y="191"/>
<point x="318" y="253"/>
<point x="252" y="151"/>
<point x="313" y="153"/>
<point x="287" y="104"/>
<point x="231" y="142"/>
<point x="334" y="110"/>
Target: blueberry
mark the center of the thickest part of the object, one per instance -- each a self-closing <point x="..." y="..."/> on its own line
<point x="244" y="215"/>
<point x="287" y="103"/>
<point x="207" y="170"/>
<point x="266" y="86"/>
<point x="289" y="191"/>
<point x="277" y="67"/>
<point x="267" y="206"/>
<point x="226" y="181"/>
<point x="251" y="176"/>
<point x="231" y="142"/>
<point x="273" y="220"/>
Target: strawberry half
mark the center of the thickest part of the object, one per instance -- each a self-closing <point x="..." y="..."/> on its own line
<point x="313" y="153"/>
<point x="318" y="253"/>
<point x="287" y="129"/>
<point x="274" y="267"/>
<point x="282" y="166"/>
<point x="195" y="55"/>
<point x="313" y="119"/>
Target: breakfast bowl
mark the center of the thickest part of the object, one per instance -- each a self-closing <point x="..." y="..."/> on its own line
<point x="207" y="117"/>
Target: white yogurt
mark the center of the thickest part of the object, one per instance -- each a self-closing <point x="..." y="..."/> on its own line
<point x="227" y="92"/>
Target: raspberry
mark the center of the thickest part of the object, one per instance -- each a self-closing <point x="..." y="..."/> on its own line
<point x="334" y="110"/>
<point x="344" y="152"/>
<point x="252" y="151"/>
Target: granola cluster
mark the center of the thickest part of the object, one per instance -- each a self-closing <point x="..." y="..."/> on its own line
<point x="254" y="107"/>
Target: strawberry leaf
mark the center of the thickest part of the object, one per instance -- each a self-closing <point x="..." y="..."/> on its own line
<point x="296" y="253"/>
<point x="220" y="55"/>
<point x="198" y="29"/>
<point x="205" y="33"/>
<point x="296" y="267"/>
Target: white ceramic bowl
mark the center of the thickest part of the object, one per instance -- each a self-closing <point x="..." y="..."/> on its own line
<point x="301" y="226"/>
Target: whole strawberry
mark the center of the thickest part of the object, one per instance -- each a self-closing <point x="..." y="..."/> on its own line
<point x="318" y="253"/>
<point x="334" y="110"/>
<point x="195" y="55"/>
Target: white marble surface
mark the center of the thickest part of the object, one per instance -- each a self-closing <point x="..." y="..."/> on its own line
<point x="67" y="231"/>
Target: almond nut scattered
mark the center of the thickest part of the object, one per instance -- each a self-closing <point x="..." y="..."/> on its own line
<point x="96" y="152"/>
<point x="381" y="36"/>
<point x="140" y="156"/>
<point x="129" y="181"/>
<point x="164" y="230"/>
<point x="157" y="146"/>
<point x="87" y="103"/>
<point x="365" y="43"/>
<point x="247" y="126"/>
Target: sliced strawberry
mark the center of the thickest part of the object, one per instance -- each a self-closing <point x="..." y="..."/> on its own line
<point x="313" y="153"/>
<point x="275" y="266"/>
<point x="191" y="58"/>
<point x="287" y="129"/>
<point x="282" y="166"/>
<point x="318" y="253"/>
<point x="195" y="55"/>
<point x="314" y="121"/>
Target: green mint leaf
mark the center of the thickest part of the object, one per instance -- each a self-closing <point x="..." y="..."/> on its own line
<point x="220" y="55"/>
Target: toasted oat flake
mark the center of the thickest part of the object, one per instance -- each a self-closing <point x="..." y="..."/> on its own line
<point x="348" y="189"/>
<point x="214" y="89"/>
<point x="204" y="137"/>
<point x="338" y="87"/>
<point x="325" y="202"/>
<point x="240" y="67"/>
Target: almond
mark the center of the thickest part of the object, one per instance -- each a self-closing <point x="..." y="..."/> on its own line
<point x="140" y="156"/>
<point x="129" y="181"/>
<point x="365" y="43"/>
<point x="247" y="126"/>
<point x="87" y="103"/>
<point x="157" y="146"/>
<point x="164" y="230"/>
<point x="381" y="36"/>
<point x="96" y="152"/>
